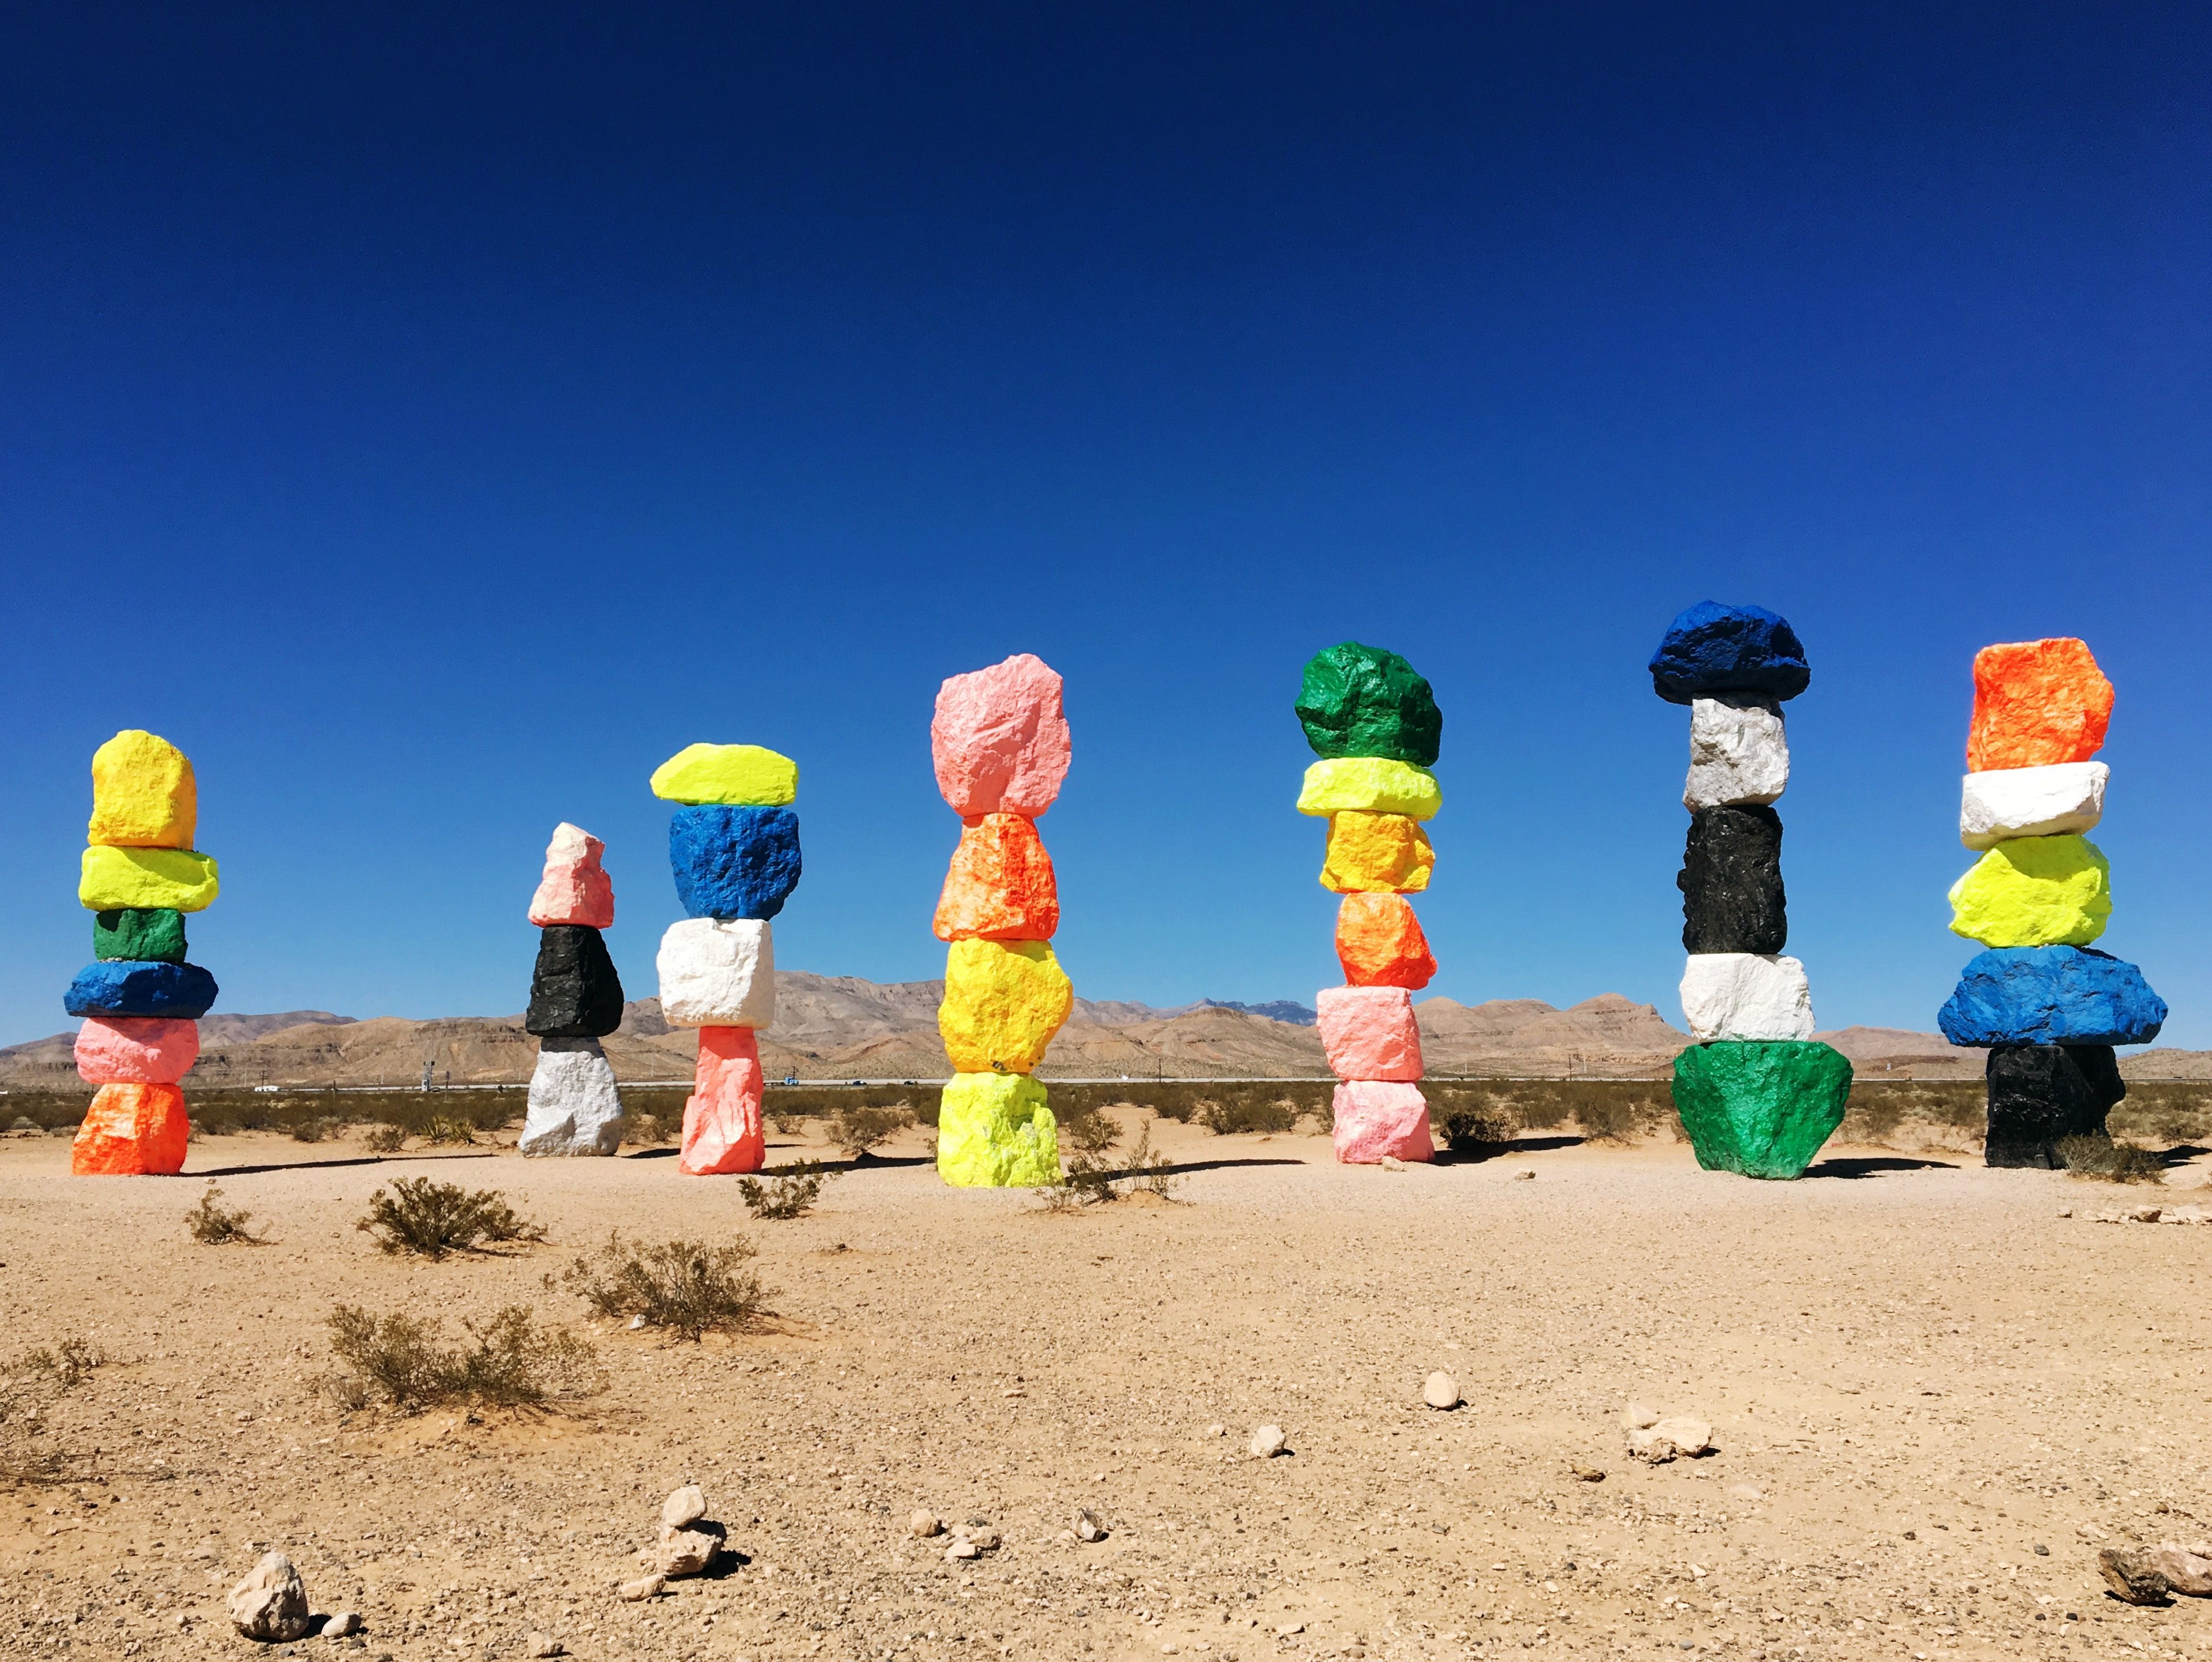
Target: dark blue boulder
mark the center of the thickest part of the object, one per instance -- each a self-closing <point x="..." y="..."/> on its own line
<point x="733" y="862"/>
<point x="2051" y="995"/>
<point x="1712" y="649"/>
<point x="135" y="987"/>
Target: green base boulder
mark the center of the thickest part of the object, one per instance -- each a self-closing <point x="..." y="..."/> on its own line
<point x="995" y="1132"/>
<point x="146" y="934"/>
<point x="1762" y="1107"/>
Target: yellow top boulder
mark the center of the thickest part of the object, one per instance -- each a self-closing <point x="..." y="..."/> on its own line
<point x="2035" y="891"/>
<point x="142" y="793"/>
<point x="727" y="775"/>
<point x="1003" y="1002"/>
<point x="151" y="879"/>
<point x="1369" y="785"/>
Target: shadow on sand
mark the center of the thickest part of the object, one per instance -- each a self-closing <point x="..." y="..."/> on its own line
<point x="1876" y="1166"/>
<point x="330" y="1164"/>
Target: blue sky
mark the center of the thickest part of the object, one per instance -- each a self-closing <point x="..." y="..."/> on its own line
<point x="431" y="419"/>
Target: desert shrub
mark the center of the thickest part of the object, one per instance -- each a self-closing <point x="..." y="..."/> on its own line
<point x="784" y="1194"/>
<point x="1149" y="1171"/>
<point x="1616" y="1116"/>
<point x="2112" y="1161"/>
<point x="432" y="1219"/>
<point x="445" y="1129"/>
<point x="214" y="1224"/>
<point x="384" y="1138"/>
<point x="509" y="1361"/>
<point x="787" y="1123"/>
<point x="29" y="1384"/>
<point x="653" y="1129"/>
<point x="859" y="1127"/>
<point x="1260" y="1109"/>
<point x="1474" y="1130"/>
<point x="686" y="1286"/>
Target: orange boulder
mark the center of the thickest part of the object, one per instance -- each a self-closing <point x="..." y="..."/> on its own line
<point x="722" y="1119"/>
<point x="1380" y="943"/>
<point x="2036" y="703"/>
<point x="131" y="1131"/>
<point x="1000" y="885"/>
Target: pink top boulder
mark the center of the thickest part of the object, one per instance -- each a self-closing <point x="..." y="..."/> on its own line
<point x="999" y="739"/>
<point x="137" y="1050"/>
<point x="1369" y="1032"/>
<point x="575" y="890"/>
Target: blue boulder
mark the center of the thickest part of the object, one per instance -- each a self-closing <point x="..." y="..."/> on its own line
<point x="2051" y="995"/>
<point x="733" y="862"/>
<point x="136" y="986"/>
<point x="1711" y="649"/>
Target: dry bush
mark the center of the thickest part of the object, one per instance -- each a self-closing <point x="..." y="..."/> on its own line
<point x="860" y="1127"/>
<point x="1260" y="1110"/>
<point x="654" y="1129"/>
<point x="30" y="1384"/>
<point x="314" y="1129"/>
<point x="447" y="1130"/>
<point x="1149" y="1171"/>
<point x="1474" y="1129"/>
<point x="2113" y="1162"/>
<point x="214" y="1224"/>
<point x="433" y="1219"/>
<point x="786" y="1193"/>
<point x="1616" y="1117"/>
<point x="1090" y="1133"/>
<point x="685" y="1286"/>
<point x="510" y="1361"/>
<point x="385" y="1138"/>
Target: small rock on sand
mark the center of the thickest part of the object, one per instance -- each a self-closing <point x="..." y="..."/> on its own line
<point x="645" y="1586"/>
<point x="687" y="1505"/>
<point x="341" y="1624"/>
<point x="271" y="1604"/>
<point x="2132" y="1576"/>
<point x="1441" y="1390"/>
<point x="1268" y="1442"/>
<point x="1087" y="1526"/>
<point x="541" y="1644"/>
<point x="2187" y="1570"/>
<point x="923" y="1524"/>
<point x="1664" y="1439"/>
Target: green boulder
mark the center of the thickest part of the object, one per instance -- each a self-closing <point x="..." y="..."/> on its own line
<point x="145" y="933"/>
<point x="1362" y="701"/>
<point x="1760" y="1107"/>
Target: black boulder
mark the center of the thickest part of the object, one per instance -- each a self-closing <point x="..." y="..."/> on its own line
<point x="575" y="993"/>
<point x="1731" y="881"/>
<point x="2041" y="1094"/>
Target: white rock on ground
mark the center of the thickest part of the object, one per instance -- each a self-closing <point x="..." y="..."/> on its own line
<point x="1746" y="995"/>
<point x="1441" y="1390"/>
<point x="923" y="1524"/>
<point x="718" y="974"/>
<point x="1738" y="754"/>
<point x="2003" y="803"/>
<point x="2187" y="1569"/>
<point x="575" y="1108"/>
<point x="271" y="1603"/>
<point x="1661" y="1441"/>
<point x="1268" y="1442"/>
<point x="341" y="1624"/>
<point x="687" y="1505"/>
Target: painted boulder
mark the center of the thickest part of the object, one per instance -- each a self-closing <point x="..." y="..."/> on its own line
<point x="734" y="862"/>
<point x="999" y="739"/>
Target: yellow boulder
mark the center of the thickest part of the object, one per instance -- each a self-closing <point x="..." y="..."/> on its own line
<point x="1377" y="854"/>
<point x="730" y="775"/>
<point x="151" y="879"/>
<point x="142" y="793"/>
<point x="1003" y="1002"/>
<point x="995" y="1132"/>
<point x="2035" y="891"/>
<point x="1370" y="785"/>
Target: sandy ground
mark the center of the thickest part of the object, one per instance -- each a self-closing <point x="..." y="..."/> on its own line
<point x="1922" y="1378"/>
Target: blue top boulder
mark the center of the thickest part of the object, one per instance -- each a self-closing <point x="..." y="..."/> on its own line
<point x="733" y="862"/>
<point x="138" y="986"/>
<point x="1711" y="649"/>
<point x="2051" y="995"/>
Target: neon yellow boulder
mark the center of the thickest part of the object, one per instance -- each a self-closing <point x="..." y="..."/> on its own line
<point x="730" y="775"/>
<point x="144" y="794"/>
<point x="1003" y="1002"/>
<point x="2035" y="891"/>
<point x="1370" y="785"/>
<point x="995" y="1132"/>
<point x="152" y="879"/>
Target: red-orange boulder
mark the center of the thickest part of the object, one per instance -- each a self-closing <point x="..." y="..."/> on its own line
<point x="722" y="1119"/>
<point x="2036" y="702"/>
<point x="1000" y="885"/>
<point x="1380" y="943"/>
<point x="131" y="1131"/>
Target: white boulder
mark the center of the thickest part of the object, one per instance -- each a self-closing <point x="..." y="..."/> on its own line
<point x="717" y="973"/>
<point x="2001" y="804"/>
<point x="271" y="1604"/>
<point x="1746" y="995"/>
<point x="575" y="1108"/>
<point x="1738" y="754"/>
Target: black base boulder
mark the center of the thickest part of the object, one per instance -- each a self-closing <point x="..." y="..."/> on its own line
<point x="1731" y="881"/>
<point x="575" y="993"/>
<point x="2040" y="1095"/>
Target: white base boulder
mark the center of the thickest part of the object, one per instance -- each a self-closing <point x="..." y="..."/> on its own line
<point x="1746" y="995"/>
<point x="575" y="1108"/>
<point x="1738" y="754"/>
<point x="2004" y="803"/>
<point x="715" y="973"/>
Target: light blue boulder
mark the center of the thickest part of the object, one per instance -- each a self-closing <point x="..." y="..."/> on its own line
<point x="2051" y="995"/>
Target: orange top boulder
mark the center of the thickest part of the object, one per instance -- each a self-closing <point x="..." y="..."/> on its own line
<point x="2037" y="703"/>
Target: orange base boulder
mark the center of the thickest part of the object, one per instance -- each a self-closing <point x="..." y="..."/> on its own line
<point x="722" y="1132"/>
<point x="132" y="1130"/>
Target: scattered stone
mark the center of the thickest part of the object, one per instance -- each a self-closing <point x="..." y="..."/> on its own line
<point x="1376" y="1117"/>
<point x="1003" y="1001"/>
<point x="2040" y="1094"/>
<point x="1000" y="885"/>
<point x="923" y="1524"/>
<point x="1739" y="753"/>
<point x="734" y="862"/>
<point x="999" y="739"/>
<point x="1761" y="1108"/>
<point x="573" y="1106"/>
<point x="2004" y="803"/>
<point x="574" y="888"/>
<point x="728" y="775"/>
<point x="993" y="1131"/>
<point x="2036" y="704"/>
<point x="1087" y="1526"/>
<point x="2054" y="995"/>
<point x="1525" y="1176"/>
<point x="1380" y="942"/>
<point x="1588" y="1474"/>
<point x="341" y="1624"/>
<point x="1441" y="1390"/>
<point x="148" y="934"/>
<point x="1746" y="995"/>
<point x="1267" y="1441"/>
<point x="1664" y="1439"/>
<point x="683" y="1506"/>
<point x="1284" y="1630"/>
<point x="144" y="794"/>
<point x="2187" y="1570"/>
<point x="575" y="993"/>
<point x="541" y="1644"/>
<point x="271" y="1604"/>
<point x="1746" y="1492"/>
<point x="1369" y="785"/>
<point x="1369" y="1032"/>
<point x="2132" y="1576"/>
<point x="1733" y="899"/>
<point x="718" y="974"/>
<point x="1390" y="1162"/>
<point x="1377" y="854"/>
<point x="1712" y="648"/>
<point x="111" y="879"/>
<point x="128" y="987"/>
<point x="688" y="1551"/>
<point x="642" y="1588"/>
<point x="961" y="1549"/>
<point x="136" y="1050"/>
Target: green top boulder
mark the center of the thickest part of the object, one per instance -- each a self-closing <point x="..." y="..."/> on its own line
<point x="1362" y="701"/>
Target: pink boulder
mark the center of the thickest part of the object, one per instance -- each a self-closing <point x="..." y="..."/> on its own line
<point x="136" y="1050"/>
<point x="1375" y="1117"/>
<point x="998" y="740"/>
<point x="575" y="890"/>
<point x="722" y="1119"/>
<point x="1369" y="1032"/>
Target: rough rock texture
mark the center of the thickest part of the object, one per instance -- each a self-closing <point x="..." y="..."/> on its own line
<point x="2133" y="1576"/>
<point x="2187" y="1570"/>
<point x="1378" y="1120"/>
<point x="1712" y="648"/>
<point x="2037" y="703"/>
<point x="2035" y="891"/>
<point x="734" y="862"/>
<point x="1369" y="1032"/>
<point x="722" y="1116"/>
<point x="125" y="987"/>
<point x="1004" y="1000"/>
<point x="1380" y="942"/>
<point x="1377" y="854"/>
<point x="575" y="888"/>
<point x="1746" y="995"/>
<point x="995" y="1132"/>
<point x="1739" y="752"/>
<point x="690" y="1551"/>
<point x="271" y="1604"/>
<point x="131" y="1131"/>
<point x="1000" y="885"/>
<point x="2051" y="995"/>
<point x="1673" y="1438"/>
<point x="733" y="775"/>
<point x="2042" y="1093"/>
<point x="718" y="974"/>
<point x="999" y="739"/>
<point x="136" y="1050"/>
<point x="575" y="1108"/>
<point x="1762" y="1108"/>
<point x="1358" y="700"/>
<point x="575" y="993"/>
<point x="144" y="795"/>
<point x="1731" y="881"/>
<point x="147" y="879"/>
<point x="1369" y="785"/>
<point x="2005" y="803"/>
<point x="150" y="935"/>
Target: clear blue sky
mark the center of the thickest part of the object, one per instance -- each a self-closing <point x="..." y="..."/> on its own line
<point x="432" y="417"/>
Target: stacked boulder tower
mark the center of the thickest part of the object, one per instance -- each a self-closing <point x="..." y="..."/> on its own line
<point x="140" y="1000"/>
<point x="733" y="846"/>
<point x="1375" y="725"/>
<point x="1000" y="743"/>
<point x="2049" y="1007"/>
<point x="575" y="1001"/>
<point x="1756" y="1093"/>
